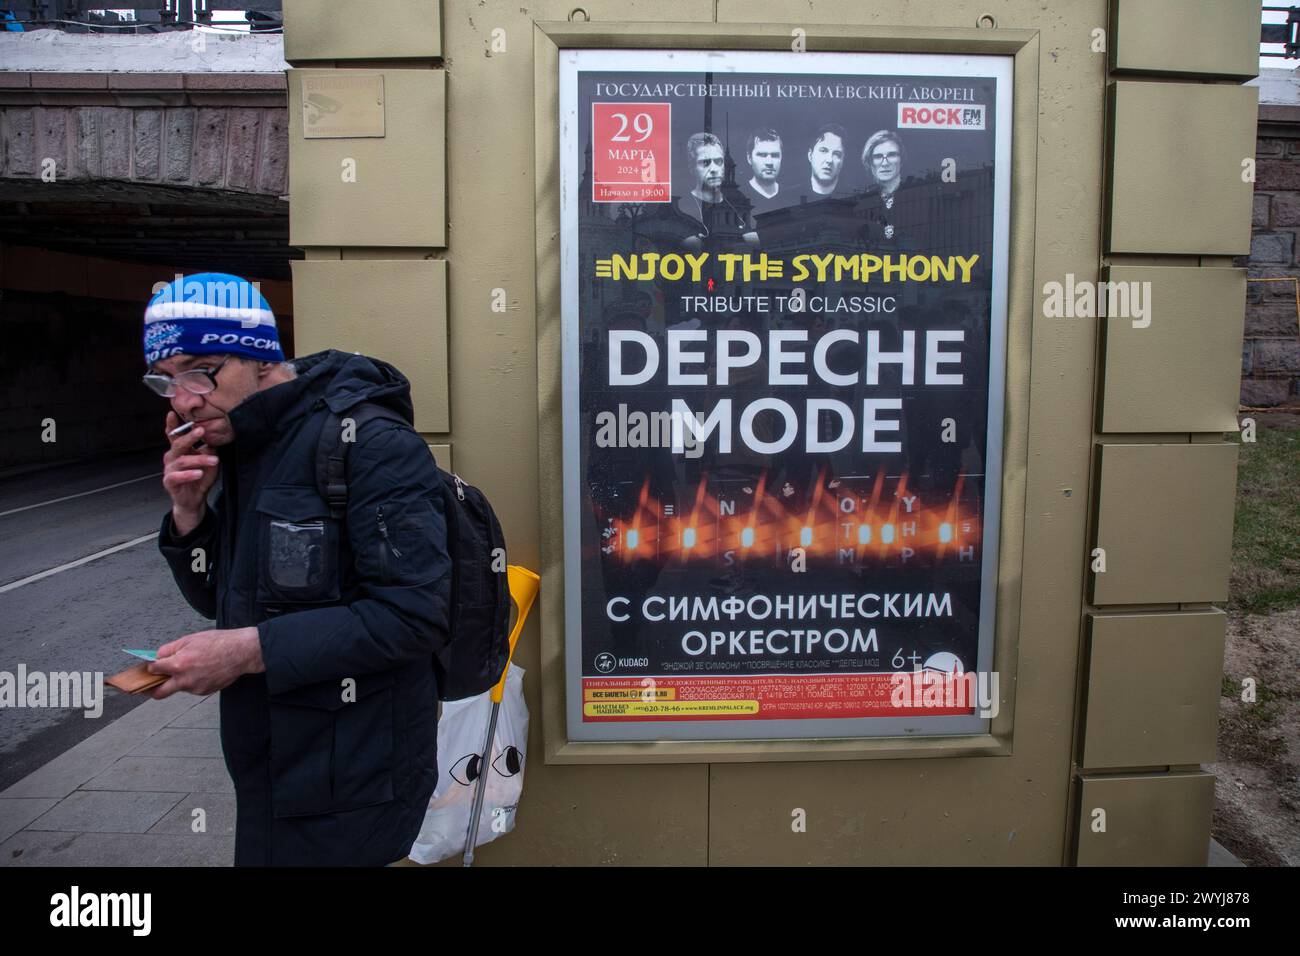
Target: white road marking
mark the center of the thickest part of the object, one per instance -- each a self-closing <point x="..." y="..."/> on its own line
<point x="80" y="561"/>
<point x="79" y="494"/>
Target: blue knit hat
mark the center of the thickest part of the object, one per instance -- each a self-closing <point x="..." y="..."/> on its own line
<point x="210" y="313"/>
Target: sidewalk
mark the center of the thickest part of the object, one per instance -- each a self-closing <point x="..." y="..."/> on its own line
<point x="126" y="795"/>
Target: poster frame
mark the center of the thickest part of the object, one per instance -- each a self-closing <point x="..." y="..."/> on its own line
<point x="552" y="37"/>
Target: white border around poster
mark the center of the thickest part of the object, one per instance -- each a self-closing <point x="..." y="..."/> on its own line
<point x="885" y="66"/>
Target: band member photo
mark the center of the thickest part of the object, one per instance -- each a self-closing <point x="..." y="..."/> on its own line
<point x="826" y="159"/>
<point x="883" y="156"/>
<point x="720" y="219"/>
<point x="763" y="153"/>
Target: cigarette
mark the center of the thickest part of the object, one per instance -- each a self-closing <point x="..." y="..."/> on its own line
<point x="182" y="429"/>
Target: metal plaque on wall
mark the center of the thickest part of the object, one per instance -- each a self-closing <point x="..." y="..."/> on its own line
<point x="342" y="107"/>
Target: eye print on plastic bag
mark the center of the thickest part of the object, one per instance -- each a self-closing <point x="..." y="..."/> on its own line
<point x="466" y="770"/>
<point x="509" y="762"/>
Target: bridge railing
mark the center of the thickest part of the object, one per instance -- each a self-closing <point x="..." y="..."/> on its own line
<point x="149" y="16"/>
<point x="1275" y="32"/>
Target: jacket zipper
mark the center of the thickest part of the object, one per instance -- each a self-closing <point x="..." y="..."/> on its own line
<point x="383" y="531"/>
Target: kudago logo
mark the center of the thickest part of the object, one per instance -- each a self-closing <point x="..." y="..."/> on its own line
<point x="103" y="909"/>
<point x="939" y="116"/>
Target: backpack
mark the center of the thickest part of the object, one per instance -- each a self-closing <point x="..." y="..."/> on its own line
<point x="475" y="656"/>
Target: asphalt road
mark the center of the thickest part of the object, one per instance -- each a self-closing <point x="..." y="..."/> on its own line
<point x="81" y="613"/>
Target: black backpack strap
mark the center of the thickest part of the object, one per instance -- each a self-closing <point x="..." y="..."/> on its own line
<point x="332" y="451"/>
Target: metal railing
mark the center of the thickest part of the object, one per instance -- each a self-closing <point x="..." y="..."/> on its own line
<point x="147" y="16"/>
<point x="267" y="16"/>
<point x="1287" y="34"/>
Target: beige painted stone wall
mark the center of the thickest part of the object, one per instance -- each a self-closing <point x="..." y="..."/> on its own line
<point x="1025" y="797"/>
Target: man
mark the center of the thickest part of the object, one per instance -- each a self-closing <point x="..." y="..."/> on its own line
<point x="707" y="164"/>
<point x="325" y="627"/>
<point x="823" y="219"/>
<point x="826" y="159"/>
<point x="763" y="153"/>
<point x="713" y="217"/>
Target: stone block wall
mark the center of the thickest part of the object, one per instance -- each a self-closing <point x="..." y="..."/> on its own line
<point x="1270" y="359"/>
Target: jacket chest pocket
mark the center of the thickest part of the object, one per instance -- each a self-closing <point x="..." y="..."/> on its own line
<point x="298" y="547"/>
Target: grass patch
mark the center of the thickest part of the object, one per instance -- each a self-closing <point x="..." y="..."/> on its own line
<point x="1265" y="695"/>
<point x="1266" y="530"/>
<point x="1249" y="734"/>
<point x="1246" y="730"/>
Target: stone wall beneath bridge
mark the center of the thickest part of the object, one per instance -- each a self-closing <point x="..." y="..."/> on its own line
<point x="215" y="131"/>
<point x="188" y="169"/>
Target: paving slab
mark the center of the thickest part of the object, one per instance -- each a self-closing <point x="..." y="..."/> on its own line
<point x="107" y="811"/>
<point x="218" y="814"/>
<point x="92" y="756"/>
<point x="180" y="742"/>
<point x="1219" y="855"/>
<point x="17" y="812"/>
<point x="163" y="774"/>
<point x="205" y="713"/>
<point x="61" y="848"/>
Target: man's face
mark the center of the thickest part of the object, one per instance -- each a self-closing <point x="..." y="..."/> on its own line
<point x="886" y="161"/>
<point x="708" y="166"/>
<point x="236" y="381"/>
<point x="765" y="160"/>
<point x="826" y="158"/>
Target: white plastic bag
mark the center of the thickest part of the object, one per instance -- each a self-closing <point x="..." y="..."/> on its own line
<point x="461" y="731"/>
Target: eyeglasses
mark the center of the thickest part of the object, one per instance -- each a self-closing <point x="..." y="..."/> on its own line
<point x="879" y="158"/>
<point x="197" y="381"/>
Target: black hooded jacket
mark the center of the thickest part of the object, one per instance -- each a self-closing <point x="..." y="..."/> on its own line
<point x="333" y="749"/>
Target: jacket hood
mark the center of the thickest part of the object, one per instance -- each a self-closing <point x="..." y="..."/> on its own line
<point x="334" y="379"/>
<point x="348" y="378"/>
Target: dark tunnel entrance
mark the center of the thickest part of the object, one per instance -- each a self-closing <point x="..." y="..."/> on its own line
<point x="78" y="263"/>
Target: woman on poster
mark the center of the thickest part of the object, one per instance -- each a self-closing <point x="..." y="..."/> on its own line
<point x="880" y="207"/>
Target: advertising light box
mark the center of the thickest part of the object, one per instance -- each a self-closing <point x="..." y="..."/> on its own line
<point x="784" y="336"/>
